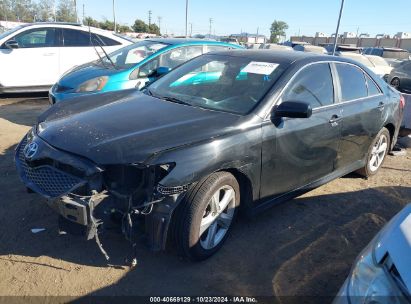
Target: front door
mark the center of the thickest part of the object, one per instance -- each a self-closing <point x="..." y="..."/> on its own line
<point x="35" y="62"/>
<point x="298" y="151"/>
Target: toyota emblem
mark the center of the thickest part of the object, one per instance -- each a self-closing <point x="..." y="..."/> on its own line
<point x="30" y="150"/>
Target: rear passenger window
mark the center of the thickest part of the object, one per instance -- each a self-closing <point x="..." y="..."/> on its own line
<point x="107" y="41"/>
<point x="372" y="87"/>
<point x="76" y="38"/>
<point x="312" y="85"/>
<point x="175" y="57"/>
<point x="352" y="82"/>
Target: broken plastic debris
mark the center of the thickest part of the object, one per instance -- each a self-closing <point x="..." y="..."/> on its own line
<point x="37" y="230"/>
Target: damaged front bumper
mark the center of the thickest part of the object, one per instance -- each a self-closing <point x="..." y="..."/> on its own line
<point x="91" y="197"/>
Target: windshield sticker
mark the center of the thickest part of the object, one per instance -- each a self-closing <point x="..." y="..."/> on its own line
<point x="262" y="68"/>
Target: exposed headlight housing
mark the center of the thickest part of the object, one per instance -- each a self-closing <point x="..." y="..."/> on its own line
<point x="370" y="282"/>
<point x="93" y="85"/>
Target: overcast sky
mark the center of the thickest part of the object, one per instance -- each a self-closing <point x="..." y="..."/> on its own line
<point x="232" y="16"/>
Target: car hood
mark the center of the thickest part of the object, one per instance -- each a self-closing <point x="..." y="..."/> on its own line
<point x="395" y="240"/>
<point x="128" y="126"/>
<point x="85" y="72"/>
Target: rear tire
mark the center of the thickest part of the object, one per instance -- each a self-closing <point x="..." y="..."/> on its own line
<point x="205" y="216"/>
<point x="376" y="153"/>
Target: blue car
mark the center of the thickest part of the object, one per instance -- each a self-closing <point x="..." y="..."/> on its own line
<point x="132" y="66"/>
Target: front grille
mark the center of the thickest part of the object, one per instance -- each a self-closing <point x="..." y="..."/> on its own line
<point x="46" y="180"/>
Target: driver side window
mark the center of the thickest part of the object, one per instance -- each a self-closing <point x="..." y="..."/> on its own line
<point x="37" y="38"/>
<point x="313" y="85"/>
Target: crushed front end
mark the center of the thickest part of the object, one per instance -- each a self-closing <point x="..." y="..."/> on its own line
<point x="92" y="197"/>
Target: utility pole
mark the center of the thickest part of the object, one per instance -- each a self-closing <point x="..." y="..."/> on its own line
<point x="149" y="18"/>
<point x="75" y="10"/>
<point x="83" y="14"/>
<point x="209" y="33"/>
<point x="159" y="24"/>
<point x="114" y="17"/>
<point x="186" y="18"/>
<point x="338" y="27"/>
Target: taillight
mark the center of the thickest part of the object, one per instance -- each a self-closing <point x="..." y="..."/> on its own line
<point x="402" y="102"/>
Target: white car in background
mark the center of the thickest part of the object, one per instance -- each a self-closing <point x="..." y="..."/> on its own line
<point x="33" y="56"/>
<point x="381" y="65"/>
<point x="377" y="67"/>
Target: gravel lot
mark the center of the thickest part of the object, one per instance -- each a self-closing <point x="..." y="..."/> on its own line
<point x="303" y="247"/>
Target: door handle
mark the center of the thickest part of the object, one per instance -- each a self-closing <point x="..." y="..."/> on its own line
<point x="381" y="106"/>
<point x="334" y="120"/>
<point x="49" y="54"/>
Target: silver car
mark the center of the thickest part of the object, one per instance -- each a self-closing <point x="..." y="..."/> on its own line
<point x="382" y="272"/>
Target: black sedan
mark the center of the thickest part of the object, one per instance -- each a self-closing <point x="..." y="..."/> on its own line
<point x="400" y="77"/>
<point x="225" y="131"/>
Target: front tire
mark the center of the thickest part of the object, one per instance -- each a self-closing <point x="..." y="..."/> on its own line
<point x="377" y="153"/>
<point x="205" y="216"/>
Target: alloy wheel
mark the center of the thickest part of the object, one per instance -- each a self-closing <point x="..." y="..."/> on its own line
<point x="217" y="217"/>
<point x="378" y="153"/>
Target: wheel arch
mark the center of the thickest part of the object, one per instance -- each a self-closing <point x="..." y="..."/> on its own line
<point x="391" y="129"/>
<point x="246" y="187"/>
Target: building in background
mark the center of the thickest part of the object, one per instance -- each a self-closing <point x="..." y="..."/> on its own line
<point x="249" y="38"/>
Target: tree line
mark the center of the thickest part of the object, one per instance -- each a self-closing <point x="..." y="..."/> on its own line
<point x="62" y="11"/>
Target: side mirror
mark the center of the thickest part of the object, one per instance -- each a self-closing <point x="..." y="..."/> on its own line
<point x="293" y="109"/>
<point x="11" y="44"/>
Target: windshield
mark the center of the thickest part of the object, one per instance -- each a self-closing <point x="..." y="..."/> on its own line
<point x="6" y="33"/>
<point x="130" y="55"/>
<point x="218" y="82"/>
<point x="396" y="54"/>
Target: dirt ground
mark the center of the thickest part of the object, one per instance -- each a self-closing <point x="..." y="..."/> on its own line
<point x="303" y="247"/>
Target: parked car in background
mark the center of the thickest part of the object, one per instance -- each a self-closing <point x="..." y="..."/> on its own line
<point x="310" y="48"/>
<point x="382" y="271"/>
<point x="292" y="44"/>
<point x="254" y="46"/>
<point x="342" y="48"/>
<point x="132" y="66"/>
<point x="229" y="40"/>
<point x="274" y="46"/>
<point x="247" y="128"/>
<point x="33" y="56"/>
<point x="400" y="77"/>
<point x="381" y="65"/>
<point x="365" y="61"/>
<point x="392" y="55"/>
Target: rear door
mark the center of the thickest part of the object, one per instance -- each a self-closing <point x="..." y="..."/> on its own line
<point x="298" y="151"/>
<point x="362" y="109"/>
<point x="36" y="61"/>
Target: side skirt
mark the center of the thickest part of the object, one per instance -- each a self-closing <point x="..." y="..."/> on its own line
<point x="268" y="203"/>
